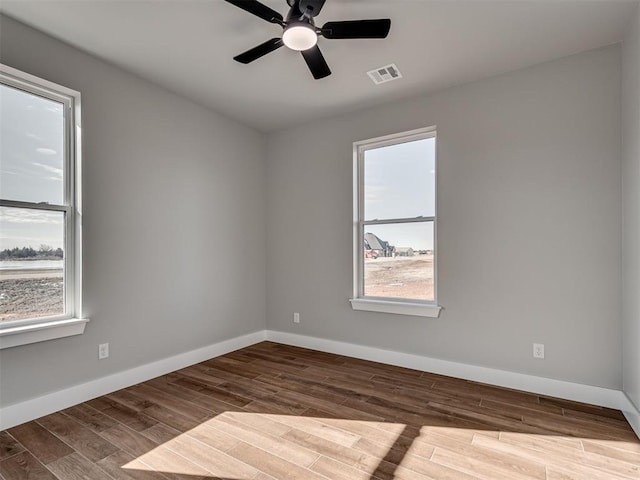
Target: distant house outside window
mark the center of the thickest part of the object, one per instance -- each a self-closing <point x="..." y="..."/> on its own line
<point x="395" y="224"/>
<point x="39" y="210"/>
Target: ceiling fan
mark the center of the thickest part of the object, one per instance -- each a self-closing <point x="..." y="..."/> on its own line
<point x="301" y="34"/>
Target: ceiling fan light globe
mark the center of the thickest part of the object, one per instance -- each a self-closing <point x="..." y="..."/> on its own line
<point x="299" y="37"/>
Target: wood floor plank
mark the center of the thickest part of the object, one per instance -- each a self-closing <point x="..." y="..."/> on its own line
<point x="9" y="446"/>
<point x="422" y="466"/>
<point x="129" y="440"/>
<point x="259" y="420"/>
<point x="274" y="444"/>
<point x="24" y="466"/>
<point x="318" y="429"/>
<point x="272" y="464"/>
<point x="171" y="418"/>
<point x="332" y="449"/>
<point x="165" y="398"/>
<point x="583" y="407"/>
<point x="421" y="383"/>
<point x="166" y="385"/>
<point x="251" y="384"/>
<point x="126" y="415"/>
<point x="377" y="368"/>
<point x="225" y="369"/>
<point x="199" y="372"/>
<point x="507" y="462"/>
<point x="116" y="466"/>
<point x="523" y="447"/>
<point x="214" y="461"/>
<point x="611" y="452"/>
<point x="296" y="384"/>
<point x="518" y="410"/>
<point x="577" y="472"/>
<point x="80" y="438"/>
<point x="227" y="397"/>
<point x="254" y="391"/>
<point x="471" y="466"/>
<point x="90" y="417"/>
<point x="267" y="369"/>
<point x="473" y="391"/>
<point x="393" y="452"/>
<point x="77" y="467"/>
<point x="161" y="433"/>
<point x="170" y="465"/>
<point x="195" y="384"/>
<point x="503" y="422"/>
<point x="434" y="418"/>
<point x="596" y="419"/>
<point x="311" y="401"/>
<point x="276" y="412"/>
<point x="570" y="426"/>
<point x="384" y="433"/>
<point x="42" y="444"/>
<point x="336" y="470"/>
<point x="216" y="405"/>
<point x="258" y="406"/>
<point x="129" y="400"/>
<point x="212" y="437"/>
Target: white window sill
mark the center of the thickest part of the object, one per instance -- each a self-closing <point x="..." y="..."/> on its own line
<point x="13" y="336"/>
<point x="398" y="308"/>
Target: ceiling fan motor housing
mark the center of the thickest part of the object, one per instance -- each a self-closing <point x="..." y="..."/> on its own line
<point x="299" y="31"/>
<point x="295" y="15"/>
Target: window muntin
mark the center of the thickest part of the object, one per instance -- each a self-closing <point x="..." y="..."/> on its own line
<point x="396" y="221"/>
<point x="39" y="278"/>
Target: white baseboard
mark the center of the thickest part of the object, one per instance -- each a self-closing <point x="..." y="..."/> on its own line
<point x="632" y="414"/>
<point x="16" y="414"/>
<point x="604" y="397"/>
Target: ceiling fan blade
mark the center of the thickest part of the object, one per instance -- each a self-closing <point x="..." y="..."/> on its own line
<point x="357" y="29"/>
<point x="258" y="9"/>
<point x="259" y="51"/>
<point x="316" y="63"/>
<point x="314" y="6"/>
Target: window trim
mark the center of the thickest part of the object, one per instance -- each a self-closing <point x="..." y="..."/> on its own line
<point x="424" y="308"/>
<point x="24" y="331"/>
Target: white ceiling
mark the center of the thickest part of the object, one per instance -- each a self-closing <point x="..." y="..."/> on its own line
<point x="187" y="46"/>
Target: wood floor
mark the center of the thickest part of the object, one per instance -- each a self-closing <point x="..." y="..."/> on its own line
<point x="277" y="412"/>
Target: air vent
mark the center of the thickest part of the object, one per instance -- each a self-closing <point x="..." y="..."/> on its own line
<point x="385" y="74"/>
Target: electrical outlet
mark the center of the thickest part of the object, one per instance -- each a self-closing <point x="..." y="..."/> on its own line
<point x="538" y="350"/>
<point x="296" y="317"/>
<point x="103" y="351"/>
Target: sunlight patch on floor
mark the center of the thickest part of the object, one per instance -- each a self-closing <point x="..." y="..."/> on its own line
<point x="233" y="445"/>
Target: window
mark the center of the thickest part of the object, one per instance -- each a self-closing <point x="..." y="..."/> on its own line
<point x="395" y="224"/>
<point x="39" y="210"/>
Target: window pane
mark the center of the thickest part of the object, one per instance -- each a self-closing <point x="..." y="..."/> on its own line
<point x="31" y="263"/>
<point x="400" y="180"/>
<point x="32" y="147"/>
<point x="398" y="261"/>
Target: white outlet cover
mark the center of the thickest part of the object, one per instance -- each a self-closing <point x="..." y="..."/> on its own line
<point x="103" y="351"/>
<point x="538" y="350"/>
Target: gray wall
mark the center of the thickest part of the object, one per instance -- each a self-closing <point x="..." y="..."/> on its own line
<point x="529" y="223"/>
<point x="631" y="210"/>
<point x="528" y="233"/>
<point x="174" y="232"/>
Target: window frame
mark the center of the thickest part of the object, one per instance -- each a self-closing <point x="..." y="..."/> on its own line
<point x="23" y="331"/>
<point x="394" y="305"/>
